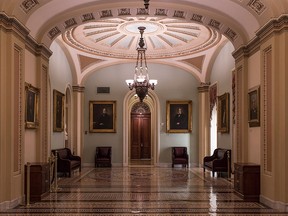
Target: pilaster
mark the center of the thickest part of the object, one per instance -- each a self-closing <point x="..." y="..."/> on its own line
<point x="204" y="122"/>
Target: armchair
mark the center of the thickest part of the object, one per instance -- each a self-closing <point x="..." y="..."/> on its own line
<point x="103" y="156"/>
<point x="180" y="156"/>
<point x="220" y="161"/>
<point x="66" y="161"/>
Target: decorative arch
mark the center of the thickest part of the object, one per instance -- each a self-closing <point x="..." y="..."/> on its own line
<point x="153" y="104"/>
<point x="140" y="108"/>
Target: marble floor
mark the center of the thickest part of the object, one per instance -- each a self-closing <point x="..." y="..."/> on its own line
<point x="143" y="190"/>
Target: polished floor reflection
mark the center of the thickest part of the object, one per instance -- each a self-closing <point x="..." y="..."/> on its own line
<point x="143" y="191"/>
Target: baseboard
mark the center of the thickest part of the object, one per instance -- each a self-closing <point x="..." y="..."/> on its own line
<point x="281" y="206"/>
<point x="10" y="204"/>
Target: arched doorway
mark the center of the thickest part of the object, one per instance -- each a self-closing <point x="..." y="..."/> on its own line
<point x="152" y="102"/>
<point x="140" y="147"/>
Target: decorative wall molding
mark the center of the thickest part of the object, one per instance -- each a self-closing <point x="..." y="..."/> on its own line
<point x="214" y="23"/>
<point x="158" y="14"/>
<point x="18" y="110"/>
<point x="257" y="6"/>
<point x="87" y="17"/>
<point x="12" y="24"/>
<point x="267" y="110"/>
<point x="28" y="5"/>
<point x="140" y="108"/>
<point x="69" y="23"/>
<point x="54" y="32"/>
<point x="273" y="26"/>
<point x="44" y="114"/>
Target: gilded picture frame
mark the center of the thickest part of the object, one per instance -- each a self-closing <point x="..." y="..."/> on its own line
<point x="254" y="107"/>
<point x="58" y="111"/>
<point x="32" y="95"/>
<point x="179" y="116"/>
<point x="223" y="113"/>
<point x="102" y="116"/>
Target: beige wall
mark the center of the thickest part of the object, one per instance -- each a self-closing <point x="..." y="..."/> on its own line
<point x="254" y="132"/>
<point x="30" y="134"/>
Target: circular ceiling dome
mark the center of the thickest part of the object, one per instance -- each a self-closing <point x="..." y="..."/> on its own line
<point x="119" y="37"/>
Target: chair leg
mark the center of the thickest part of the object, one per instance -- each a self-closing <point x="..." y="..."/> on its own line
<point x="213" y="173"/>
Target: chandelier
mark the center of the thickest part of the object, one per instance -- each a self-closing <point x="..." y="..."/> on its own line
<point x="146" y="4"/>
<point x="141" y="81"/>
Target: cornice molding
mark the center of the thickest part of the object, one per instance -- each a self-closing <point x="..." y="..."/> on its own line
<point x="204" y="87"/>
<point x="273" y="26"/>
<point x="37" y="49"/>
<point x="11" y="24"/>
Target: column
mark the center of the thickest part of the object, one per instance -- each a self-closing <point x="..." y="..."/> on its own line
<point x="78" y="121"/>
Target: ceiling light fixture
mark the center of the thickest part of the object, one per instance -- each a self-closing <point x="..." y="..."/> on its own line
<point x="141" y="81"/>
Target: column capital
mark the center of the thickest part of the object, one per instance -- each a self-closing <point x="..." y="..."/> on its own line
<point x="204" y="87"/>
<point x="78" y="88"/>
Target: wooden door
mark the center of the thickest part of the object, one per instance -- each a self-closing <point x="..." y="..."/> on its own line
<point x="140" y="136"/>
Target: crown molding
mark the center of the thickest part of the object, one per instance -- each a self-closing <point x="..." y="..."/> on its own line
<point x="273" y="26"/>
<point x="11" y="24"/>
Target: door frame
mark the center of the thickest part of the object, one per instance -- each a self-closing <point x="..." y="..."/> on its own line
<point x="153" y="102"/>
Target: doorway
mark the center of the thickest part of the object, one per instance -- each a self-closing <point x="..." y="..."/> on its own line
<point x="140" y="149"/>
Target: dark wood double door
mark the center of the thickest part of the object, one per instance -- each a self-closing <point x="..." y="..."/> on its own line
<point x="140" y="136"/>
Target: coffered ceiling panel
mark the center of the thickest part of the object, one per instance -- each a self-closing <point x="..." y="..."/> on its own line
<point x="164" y="37"/>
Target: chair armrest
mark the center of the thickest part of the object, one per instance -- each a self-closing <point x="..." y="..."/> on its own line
<point x="74" y="157"/>
<point x="209" y="158"/>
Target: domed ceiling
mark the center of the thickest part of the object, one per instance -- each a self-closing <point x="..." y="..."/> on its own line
<point x="119" y="37"/>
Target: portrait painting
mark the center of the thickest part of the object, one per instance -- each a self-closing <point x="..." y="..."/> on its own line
<point x="58" y="111"/>
<point x="32" y="106"/>
<point x="254" y="107"/>
<point x="102" y="116"/>
<point x="179" y="116"/>
<point x="223" y="116"/>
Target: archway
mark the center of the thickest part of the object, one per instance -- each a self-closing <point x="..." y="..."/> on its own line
<point x="153" y="103"/>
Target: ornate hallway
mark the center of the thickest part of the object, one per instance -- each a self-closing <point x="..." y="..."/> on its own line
<point x="143" y="191"/>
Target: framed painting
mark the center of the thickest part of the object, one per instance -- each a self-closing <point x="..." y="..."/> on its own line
<point x="179" y="116"/>
<point x="32" y="106"/>
<point x="254" y="107"/>
<point x="223" y="110"/>
<point x="102" y="116"/>
<point x="58" y="111"/>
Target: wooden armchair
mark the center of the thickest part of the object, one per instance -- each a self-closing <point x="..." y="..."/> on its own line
<point x="66" y="161"/>
<point x="103" y="156"/>
<point x="180" y="156"/>
<point x="220" y="161"/>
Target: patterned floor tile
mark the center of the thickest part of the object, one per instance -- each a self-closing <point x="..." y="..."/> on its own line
<point x="143" y="191"/>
